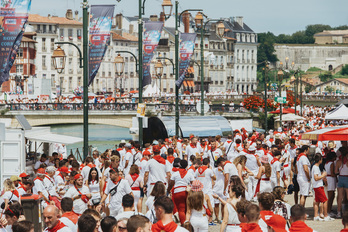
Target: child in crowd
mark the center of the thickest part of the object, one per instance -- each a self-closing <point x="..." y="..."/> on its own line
<point x="318" y="186"/>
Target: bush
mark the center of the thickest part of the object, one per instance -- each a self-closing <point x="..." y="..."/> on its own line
<point x="344" y="70"/>
<point x="313" y="69"/>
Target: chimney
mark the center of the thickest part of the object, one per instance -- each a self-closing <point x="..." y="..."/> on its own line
<point x="119" y="18"/>
<point x="153" y="18"/>
<point x="69" y="14"/>
<point x="162" y="17"/>
<point x="186" y="21"/>
<point x="76" y="15"/>
<point x="49" y="16"/>
<point x="131" y="28"/>
<point x="239" y="20"/>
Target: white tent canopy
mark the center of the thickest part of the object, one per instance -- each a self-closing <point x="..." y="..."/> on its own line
<point x="340" y="113"/>
<point x="290" y="117"/>
<point x="151" y="91"/>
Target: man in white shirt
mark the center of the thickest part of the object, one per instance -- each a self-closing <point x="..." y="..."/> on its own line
<point x="128" y="207"/>
<point x="116" y="188"/>
<point x="156" y="170"/>
<point x="213" y="154"/>
<point x="85" y="170"/>
<point x="79" y="193"/>
<point x="50" y="185"/>
<point x="43" y="160"/>
<point x="193" y="149"/>
<point x="39" y="187"/>
<point x="276" y="169"/>
<point x="128" y="158"/>
<point x="229" y="170"/>
<point x="51" y="218"/>
<point x="253" y="164"/>
<point x="69" y="218"/>
<point x="206" y="175"/>
<point x="303" y="177"/>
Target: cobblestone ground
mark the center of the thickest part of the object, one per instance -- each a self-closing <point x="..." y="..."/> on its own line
<point x="332" y="226"/>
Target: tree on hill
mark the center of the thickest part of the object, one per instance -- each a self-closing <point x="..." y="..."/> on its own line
<point x="266" y="49"/>
<point x="344" y="70"/>
<point x="316" y="28"/>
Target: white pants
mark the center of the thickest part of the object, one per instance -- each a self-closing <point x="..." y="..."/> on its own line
<point x="199" y="223"/>
<point x="136" y="194"/>
<point x="251" y="188"/>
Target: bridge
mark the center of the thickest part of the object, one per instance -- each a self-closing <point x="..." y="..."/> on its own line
<point x="115" y="114"/>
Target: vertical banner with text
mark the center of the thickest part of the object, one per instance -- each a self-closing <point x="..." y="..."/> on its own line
<point x="99" y="36"/>
<point x="13" y="18"/>
<point x="152" y="35"/>
<point x="187" y="45"/>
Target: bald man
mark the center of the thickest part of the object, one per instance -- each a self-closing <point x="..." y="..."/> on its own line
<point x="51" y="218"/>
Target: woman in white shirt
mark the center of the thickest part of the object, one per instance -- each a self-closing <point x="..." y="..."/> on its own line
<point x="93" y="184"/>
<point x="136" y="183"/>
<point x="10" y="193"/>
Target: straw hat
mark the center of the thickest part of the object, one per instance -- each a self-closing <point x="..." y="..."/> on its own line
<point x="196" y="186"/>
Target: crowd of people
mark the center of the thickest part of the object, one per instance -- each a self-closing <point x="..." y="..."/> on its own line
<point x="190" y="184"/>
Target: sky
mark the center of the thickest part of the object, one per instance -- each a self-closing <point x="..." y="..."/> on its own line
<point x="277" y="16"/>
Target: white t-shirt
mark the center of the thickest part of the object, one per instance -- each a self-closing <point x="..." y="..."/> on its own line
<point x="219" y="182"/>
<point x="68" y="223"/>
<point x="157" y="171"/>
<point x="79" y="205"/>
<point x="231" y="169"/>
<point x="38" y="163"/>
<point x="300" y="163"/>
<point x="128" y="157"/>
<point x="216" y="154"/>
<point x="39" y="187"/>
<point x="192" y="151"/>
<point x="142" y="166"/>
<point x="85" y="172"/>
<point x="205" y="178"/>
<point x="122" y="189"/>
<point x="126" y="215"/>
<point x="64" y="229"/>
<point x="8" y="195"/>
<point x="188" y="178"/>
<point x="276" y="167"/>
<point x="251" y="163"/>
<point x="316" y="171"/>
<point x="50" y="185"/>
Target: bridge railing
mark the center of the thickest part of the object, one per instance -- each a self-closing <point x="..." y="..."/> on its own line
<point x="166" y="107"/>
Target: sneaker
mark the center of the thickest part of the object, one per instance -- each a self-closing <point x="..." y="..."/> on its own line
<point x="328" y="218"/>
<point x="216" y="221"/>
<point x="212" y="224"/>
<point x="332" y="215"/>
<point x="338" y="215"/>
<point x="318" y="219"/>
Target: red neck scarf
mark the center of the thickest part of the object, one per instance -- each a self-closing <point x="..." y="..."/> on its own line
<point x="60" y="174"/>
<point x="175" y="169"/>
<point x="251" y="227"/>
<point x="300" y="226"/>
<point x="228" y="141"/>
<point x="116" y="182"/>
<point x="159" y="159"/>
<point x="143" y="159"/>
<point x="193" y="146"/>
<point x="15" y="192"/>
<point x="38" y="178"/>
<point x="344" y="230"/>
<point x="300" y="155"/>
<point x="170" y="159"/>
<point x="119" y="149"/>
<point x="192" y="168"/>
<point x="182" y="172"/>
<point x="202" y="169"/>
<point x="59" y="226"/>
<point x="227" y="162"/>
<point x="159" y="227"/>
<point x="72" y="216"/>
<point x="134" y="176"/>
<point x="274" y="160"/>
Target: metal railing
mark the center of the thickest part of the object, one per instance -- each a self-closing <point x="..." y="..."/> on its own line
<point x="165" y="107"/>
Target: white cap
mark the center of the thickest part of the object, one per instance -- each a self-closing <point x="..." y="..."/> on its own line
<point x="50" y="169"/>
<point x="128" y="145"/>
<point x="123" y="141"/>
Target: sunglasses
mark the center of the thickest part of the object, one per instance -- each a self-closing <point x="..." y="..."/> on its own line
<point x="122" y="228"/>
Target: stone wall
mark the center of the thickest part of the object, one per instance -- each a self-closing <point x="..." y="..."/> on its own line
<point x="326" y="57"/>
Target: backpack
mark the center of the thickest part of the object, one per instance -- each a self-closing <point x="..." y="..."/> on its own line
<point x="279" y="208"/>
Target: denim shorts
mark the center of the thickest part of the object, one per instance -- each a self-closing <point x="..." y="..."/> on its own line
<point x="342" y="182"/>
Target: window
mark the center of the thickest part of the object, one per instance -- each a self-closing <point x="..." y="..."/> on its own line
<point x="38" y="28"/>
<point x="50" y="28"/>
<point x="79" y="81"/>
<point x="43" y="61"/>
<point x="44" y="76"/>
<point x="53" y="80"/>
<point x="61" y="33"/>
<point x="20" y="53"/>
<point x="43" y="44"/>
<point x="44" y="28"/>
<point x="70" y="32"/>
<point x="52" y="45"/>
<point x="70" y="84"/>
<point x="79" y="33"/>
<point x="19" y="68"/>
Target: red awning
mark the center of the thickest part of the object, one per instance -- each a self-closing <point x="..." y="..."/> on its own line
<point x="329" y="133"/>
<point x="285" y="111"/>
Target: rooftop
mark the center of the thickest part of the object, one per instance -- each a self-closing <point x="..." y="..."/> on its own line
<point x="333" y="32"/>
<point x="35" y="18"/>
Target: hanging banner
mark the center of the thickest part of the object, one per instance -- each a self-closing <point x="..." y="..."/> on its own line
<point x="187" y="45"/>
<point x="152" y="35"/>
<point x="13" y="18"/>
<point x="99" y="36"/>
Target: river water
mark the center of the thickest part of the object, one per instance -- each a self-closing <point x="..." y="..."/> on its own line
<point x="100" y="136"/>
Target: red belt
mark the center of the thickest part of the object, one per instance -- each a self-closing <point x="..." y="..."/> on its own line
<point x="265" y="179"/>
<point x="286" y="165"/>
<point x="344" y="175"/>
<point x="179" y="187"/>
<point x="136" y="188"/>
<point x="233" y="224"/>
<point x="330" y="175"/>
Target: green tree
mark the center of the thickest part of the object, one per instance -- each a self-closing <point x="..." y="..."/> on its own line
<point x="329" y="89"/>
<point x="324" y="77"/>
<point x="308" y="88"/>
<point x="266" y="49"/>
<point x="344" y="70"/>
<point x="316" y="28"/>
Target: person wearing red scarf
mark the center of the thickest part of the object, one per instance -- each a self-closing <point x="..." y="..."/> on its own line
<point x="69" y="217"/>
<point x="252" y="213"/>
<point x="180" y="180"/>
<point x="193" y="149"/>
<point x="303" y="176"/>
<point x="266" y="201"/>
<point x="155" y="170"/>
<point x="297" y="219"/>
<point x="51" y="219"/>
<point x="276" y="169"/>
<point x="164" y="213"/>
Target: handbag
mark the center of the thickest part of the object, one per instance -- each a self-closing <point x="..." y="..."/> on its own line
<point x="208" y="212"/>
<point x="9" y="202"/>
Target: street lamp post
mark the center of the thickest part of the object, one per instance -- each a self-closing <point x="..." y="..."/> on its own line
<point x="265" y="76"/>
<point x="159" y="73"/>
<point x="177" y="21"/>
